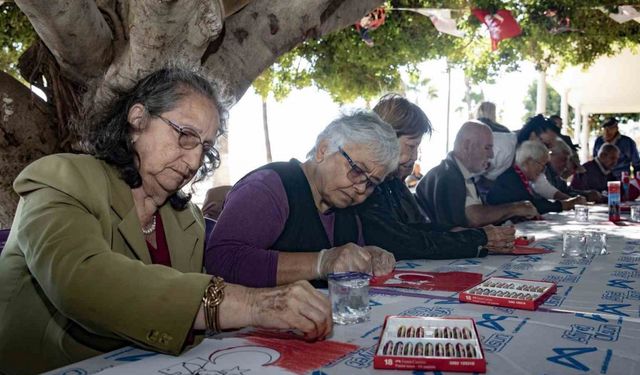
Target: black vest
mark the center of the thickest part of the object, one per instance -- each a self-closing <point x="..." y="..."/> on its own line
<point x="303" y="230"/>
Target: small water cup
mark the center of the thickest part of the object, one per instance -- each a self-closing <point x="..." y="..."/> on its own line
<point x="349" y="294"/>
<point x="582" y="212"/>
<point x="573" y="244"/>
<point x="596" y="243"/>
<point x="635" y="213"/>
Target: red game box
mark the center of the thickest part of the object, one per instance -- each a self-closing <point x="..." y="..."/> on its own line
<point x="433" y="344"/>
<point x="507" y="292"/>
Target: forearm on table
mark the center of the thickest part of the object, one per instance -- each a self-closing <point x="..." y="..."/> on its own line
<point x="234" y="310"/>
<point x="480" y="215"/>
<point x="296" y="266"/>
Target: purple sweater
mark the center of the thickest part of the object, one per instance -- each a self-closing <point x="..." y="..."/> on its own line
<point x="254" y="215"/>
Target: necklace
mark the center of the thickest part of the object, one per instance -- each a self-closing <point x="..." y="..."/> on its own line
<point x="151" y="228"/>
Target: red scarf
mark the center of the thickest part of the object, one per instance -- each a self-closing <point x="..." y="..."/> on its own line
<point x="523" y="179"/>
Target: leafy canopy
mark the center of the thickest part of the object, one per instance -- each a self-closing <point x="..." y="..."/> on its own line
<point x="343" y="65"/>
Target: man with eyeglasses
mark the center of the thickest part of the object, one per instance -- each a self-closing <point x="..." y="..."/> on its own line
<point x="448" y="193"/>
<point x="290" y="221"/>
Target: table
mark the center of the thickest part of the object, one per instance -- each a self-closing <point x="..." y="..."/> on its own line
<point x="591" y="325"/>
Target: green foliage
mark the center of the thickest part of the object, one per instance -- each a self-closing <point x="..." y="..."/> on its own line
<point x="16" y="35"/>
<point x="347" y="68"/>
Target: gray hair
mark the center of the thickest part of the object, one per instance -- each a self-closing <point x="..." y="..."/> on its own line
<point x="608" y="148"/>
<point x="534" y="150"/>
<point x="561" y="146"/>
<point x="363" y="128"/>
<point x="486" y="110"/>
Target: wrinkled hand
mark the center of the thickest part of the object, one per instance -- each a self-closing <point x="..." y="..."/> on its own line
<point x="526" y="209"/>
<point x="382" y="261"/>
<point x="294" y="306"/>
<point x="345" y="258"/>
<point x="500" y="239"/>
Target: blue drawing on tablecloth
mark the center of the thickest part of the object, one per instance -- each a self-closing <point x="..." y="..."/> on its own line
<point x="596" y="317"/>
<point x="633" y="294"/>
<point x="561" y="279"/>
<point x="437" y="312"/>
<point x="565" y="270"/>
<point x="612" y="308"/>
<point x="491" y="321"/>
<point x="627" y="266"/>
<point x="518" y="266"/>
<point x="566" y="358"/>
<point x="629" y="259"/>
<point x="554" y="300"/>
<point x="529" y="258"/>
<point x="575" y="261"/>
<point x="373" y="303"/>
<point x="619" y="283"/>
<point x="512" y="274"/>
<point x="407" y="265"/>
<point x="626" y="274"/>
<point x="362" y="358"/>
<point x="584" y="333"/>
<point x="130" y="355"/>
<point x="73" y="371"/>
<point x="611" y="295"/>
<point x="496" y="342"/>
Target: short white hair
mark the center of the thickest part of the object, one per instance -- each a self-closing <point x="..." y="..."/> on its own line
<point x="366" y="129"/>
<point x="534" y="150"/>
<point x="561" y="146"/>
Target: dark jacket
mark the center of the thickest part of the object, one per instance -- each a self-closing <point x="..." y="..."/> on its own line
<point x="442" y="194"/>
<point x="593" y="178"/>
<point x="509" y="188"/>
<point x="391" y="219"/>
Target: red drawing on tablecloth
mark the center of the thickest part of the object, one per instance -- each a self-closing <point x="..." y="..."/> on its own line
<point x="297" y="355"/>
<point x="443" y="281"/>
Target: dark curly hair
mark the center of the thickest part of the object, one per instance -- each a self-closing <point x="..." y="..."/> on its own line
<point x="109" y="135"/>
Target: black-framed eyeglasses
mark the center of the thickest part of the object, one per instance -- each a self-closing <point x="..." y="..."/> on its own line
<point x="187" y="139"/>
<point x="356" y="175"/>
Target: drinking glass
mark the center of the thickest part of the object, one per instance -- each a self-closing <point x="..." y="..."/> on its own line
<point x="349" y="294"/>
<point x="635" y="213"/>
<point x="582" y="213"/>
<point x="573" y="244"/>
<point x="596" y="243"/>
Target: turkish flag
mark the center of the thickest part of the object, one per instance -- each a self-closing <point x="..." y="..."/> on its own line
<point x="501" y="25"/>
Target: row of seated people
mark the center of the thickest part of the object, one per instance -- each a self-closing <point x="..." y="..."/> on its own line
<point x="106" y="250"/>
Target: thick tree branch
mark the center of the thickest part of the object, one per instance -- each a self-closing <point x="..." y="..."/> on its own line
<point x="76" y="34"/>
<point x="162" y="32"/>
<point x="275" y="27"/>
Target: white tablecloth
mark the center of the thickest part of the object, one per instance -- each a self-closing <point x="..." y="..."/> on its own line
<point x="591" y="325"/>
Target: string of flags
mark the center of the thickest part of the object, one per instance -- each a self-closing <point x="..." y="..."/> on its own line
<point x="501" y="25"/>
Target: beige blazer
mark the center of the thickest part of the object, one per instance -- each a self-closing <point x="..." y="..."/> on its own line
<point x="76" y="277"/>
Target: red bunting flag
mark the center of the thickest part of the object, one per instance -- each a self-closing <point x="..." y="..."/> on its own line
<point x="501" y="25"/>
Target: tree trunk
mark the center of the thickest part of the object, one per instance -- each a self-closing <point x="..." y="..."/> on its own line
<point x="113" y="43"/>
<point x="27" y="132"/>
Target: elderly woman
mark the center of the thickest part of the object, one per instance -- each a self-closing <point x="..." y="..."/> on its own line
<point x="283" y="222"/>
<point x="514" y="184"/>
<point x="391" y="217"/>
<point x="105" y="250"/>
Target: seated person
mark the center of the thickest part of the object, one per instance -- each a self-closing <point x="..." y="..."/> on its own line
<point x="280" y="223"/>
<point x="599" y="170"/>
<point x="448" y="193"/>
<point x="106" y="251"/>
<point x="626" y="146"/>
<point x="514" y="184"/>
<point x="559" y="160"/>
<point x="391" y="217"/>
<point x="214" y="200"/>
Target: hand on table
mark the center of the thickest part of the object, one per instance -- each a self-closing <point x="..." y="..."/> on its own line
<point x="294" y="306"/>
<point x="351" y="257"/>
<point x="500" y="239"/>
<point x="525" y="209"/>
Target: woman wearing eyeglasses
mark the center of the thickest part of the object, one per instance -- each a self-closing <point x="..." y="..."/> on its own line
<point x="515" y="184"/>
<point x="279" y="223"/>
<point x="106" y="251"/>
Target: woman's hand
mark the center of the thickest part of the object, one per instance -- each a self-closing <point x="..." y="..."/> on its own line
<point x="351" y="257"/>
<point x="294" y="306"/>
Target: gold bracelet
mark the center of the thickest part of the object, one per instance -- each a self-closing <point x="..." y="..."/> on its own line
<point x="213" y="296"/>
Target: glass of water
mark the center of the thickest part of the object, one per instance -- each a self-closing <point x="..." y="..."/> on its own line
<point x="635" y="213"/>
<point x="596" y="243"/>
<point x="573" y="244"/>
<point x="582" y="212"/>
<point x="349" y="294"/>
